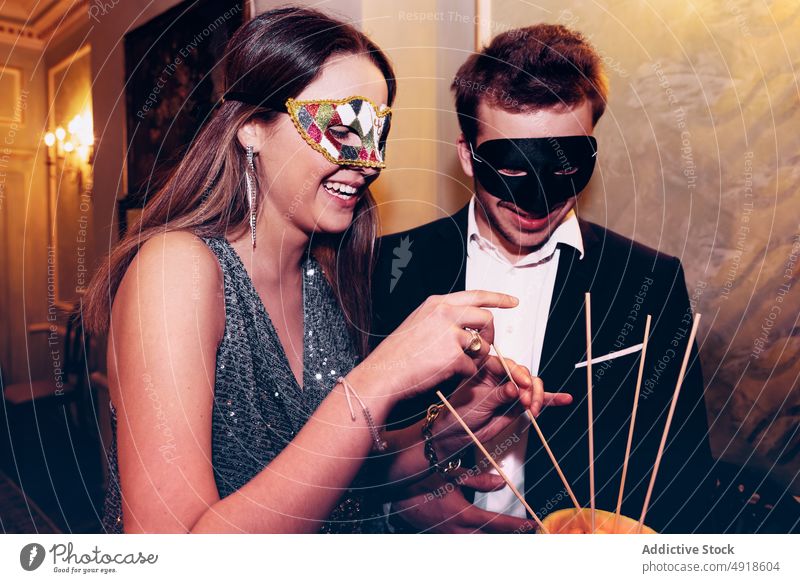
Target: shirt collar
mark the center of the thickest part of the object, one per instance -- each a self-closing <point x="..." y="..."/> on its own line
<point x="567" y="233"/>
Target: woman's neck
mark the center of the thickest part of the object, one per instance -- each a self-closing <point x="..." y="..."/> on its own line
<point x="280" y="249"/>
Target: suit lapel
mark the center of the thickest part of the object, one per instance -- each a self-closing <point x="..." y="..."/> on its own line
<point x="565" y="331"/>
<point x="447" y="267"/>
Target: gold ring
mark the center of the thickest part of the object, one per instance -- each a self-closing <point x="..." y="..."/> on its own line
<point x="475" y="344"/>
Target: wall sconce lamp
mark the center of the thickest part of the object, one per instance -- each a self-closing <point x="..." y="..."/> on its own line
<point x="77" y="141"/>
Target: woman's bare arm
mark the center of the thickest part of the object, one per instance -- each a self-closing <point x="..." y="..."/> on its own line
<point x="167" y="321"/>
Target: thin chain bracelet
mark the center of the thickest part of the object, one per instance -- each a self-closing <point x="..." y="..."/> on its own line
<point x="379" y="444"/>
<point x="430" y="453"/>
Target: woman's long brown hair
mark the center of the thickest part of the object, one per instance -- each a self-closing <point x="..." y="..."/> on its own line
<point x="274" y="55"/>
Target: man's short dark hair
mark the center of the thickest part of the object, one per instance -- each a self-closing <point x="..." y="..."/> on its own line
<point x="527" y="69"/>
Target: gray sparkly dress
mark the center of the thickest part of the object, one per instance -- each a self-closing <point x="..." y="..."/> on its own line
<point x="258" y="405"/>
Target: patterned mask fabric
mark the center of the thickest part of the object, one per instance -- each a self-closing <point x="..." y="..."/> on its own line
<point x="349" y="132"/>
<point x="546" y="172"/>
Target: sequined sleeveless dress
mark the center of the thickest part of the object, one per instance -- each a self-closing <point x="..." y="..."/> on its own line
<point x="258" y="405"/>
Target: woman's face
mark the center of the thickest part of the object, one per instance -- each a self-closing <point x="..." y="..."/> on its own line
<point x="302" y="186"/>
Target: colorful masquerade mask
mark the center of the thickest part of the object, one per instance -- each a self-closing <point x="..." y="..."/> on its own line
<point x="350" y="132"/>
<point x="536" y="174"/>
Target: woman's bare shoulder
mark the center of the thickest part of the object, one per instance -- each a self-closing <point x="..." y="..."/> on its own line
<point x="171" y="272"/>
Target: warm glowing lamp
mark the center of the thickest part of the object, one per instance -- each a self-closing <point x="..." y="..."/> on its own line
<point x="84" y="129"/>
<point x="72" y="126"/>
<point x="78" y="137"/>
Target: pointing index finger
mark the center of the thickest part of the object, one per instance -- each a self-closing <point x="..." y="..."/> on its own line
<point x="482" y="298"/>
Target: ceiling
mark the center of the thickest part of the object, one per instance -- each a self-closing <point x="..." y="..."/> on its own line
<point x="25" y="11"/>
<point x="29" y="23"/>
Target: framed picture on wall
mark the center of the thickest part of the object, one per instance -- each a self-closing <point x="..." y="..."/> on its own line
<point x="11" y="106"/>
<point x="174" y="79"/>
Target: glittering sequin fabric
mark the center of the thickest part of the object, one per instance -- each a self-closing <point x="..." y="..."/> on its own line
<point x="258" y="405"/>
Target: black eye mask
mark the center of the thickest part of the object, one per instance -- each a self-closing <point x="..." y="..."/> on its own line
<point x="555" y="170"/>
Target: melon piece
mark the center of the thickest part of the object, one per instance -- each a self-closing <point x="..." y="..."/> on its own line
<point x="570" y="521"/>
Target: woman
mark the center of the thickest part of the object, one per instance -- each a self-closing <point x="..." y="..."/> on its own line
<point x="238" y="309"/>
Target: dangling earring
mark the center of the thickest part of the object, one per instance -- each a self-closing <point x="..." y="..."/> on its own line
<point x="251" y="192"/>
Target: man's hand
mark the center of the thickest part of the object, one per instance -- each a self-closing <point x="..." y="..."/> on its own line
<point x="489" y="402"/>
<point x="445" y="510"/>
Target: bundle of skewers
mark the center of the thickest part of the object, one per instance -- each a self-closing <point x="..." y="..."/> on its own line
<point x="579" y="520"/>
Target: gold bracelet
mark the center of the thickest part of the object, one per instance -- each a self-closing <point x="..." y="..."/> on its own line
<point x="430" y="452"/>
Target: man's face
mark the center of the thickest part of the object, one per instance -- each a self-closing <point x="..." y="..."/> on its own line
<point x="522" y="231"/>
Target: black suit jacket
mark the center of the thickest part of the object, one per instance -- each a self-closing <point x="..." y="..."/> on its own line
<point x="627" y="281"/>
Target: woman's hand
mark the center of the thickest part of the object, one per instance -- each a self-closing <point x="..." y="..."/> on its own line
<point x="488" y="402"/>
<point x="428" y="347"/>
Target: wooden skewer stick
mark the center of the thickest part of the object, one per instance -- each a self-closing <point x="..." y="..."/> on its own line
<point x="669" y="420"/>
<point x="539" y="432"/>
<point x="633" y="420"/>
<point x="497" y="467"/>
<point x="589" y="401"/>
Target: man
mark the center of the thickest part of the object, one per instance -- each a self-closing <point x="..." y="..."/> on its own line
<point x="527" y="106"/>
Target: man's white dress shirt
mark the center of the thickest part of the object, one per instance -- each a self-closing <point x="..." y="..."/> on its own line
<point x="519" y="332"/>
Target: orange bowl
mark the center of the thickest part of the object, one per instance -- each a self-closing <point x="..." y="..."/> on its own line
<point x="570" y="521"/>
